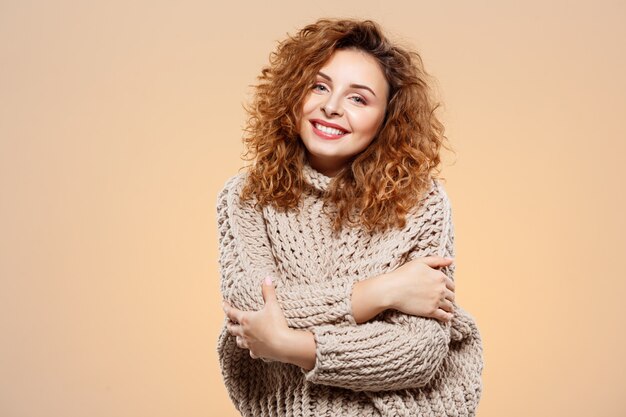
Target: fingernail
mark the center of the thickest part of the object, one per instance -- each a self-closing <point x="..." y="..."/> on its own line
<point x="268" y="280"/>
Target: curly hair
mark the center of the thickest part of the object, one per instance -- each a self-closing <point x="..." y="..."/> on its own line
<point x="381" y="184"/>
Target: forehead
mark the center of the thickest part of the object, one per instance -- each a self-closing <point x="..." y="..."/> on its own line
<point x="355" y="66"/>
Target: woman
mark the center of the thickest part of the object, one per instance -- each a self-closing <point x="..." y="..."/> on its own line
<point x="336" y="244"/>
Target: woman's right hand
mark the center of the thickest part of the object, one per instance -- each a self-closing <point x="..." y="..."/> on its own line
<point x="418" y="289"/>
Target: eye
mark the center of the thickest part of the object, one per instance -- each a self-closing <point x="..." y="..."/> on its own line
<point x="318" y="87"/>
<point x="359" y="99"/>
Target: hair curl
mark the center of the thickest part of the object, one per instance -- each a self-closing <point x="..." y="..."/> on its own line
<point x="382" y="183"/>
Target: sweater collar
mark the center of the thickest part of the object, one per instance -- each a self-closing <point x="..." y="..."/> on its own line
<point x="315" y="178"/>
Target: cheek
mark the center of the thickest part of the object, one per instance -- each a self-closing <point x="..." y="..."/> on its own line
<point x="366" y="122"/>
<point x="310" y="104"/>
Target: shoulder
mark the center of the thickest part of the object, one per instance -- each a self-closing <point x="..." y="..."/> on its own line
<point x="435" y="199"/>
<point x="430" y="215"/>
<point x="231" y="189"/>
<point x="441" y="193"/>
<point x="232" y="185"/>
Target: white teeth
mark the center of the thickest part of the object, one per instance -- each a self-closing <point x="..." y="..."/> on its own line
<point x="329" y="130"/>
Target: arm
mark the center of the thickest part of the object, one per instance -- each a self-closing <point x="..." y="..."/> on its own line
<point x="398" y="352"/>
<point x="370" y="297"/>
<point x="298" y="346"/>
<point x="245" y="258"/>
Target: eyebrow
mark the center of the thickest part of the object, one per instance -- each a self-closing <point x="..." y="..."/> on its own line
<point x="351" y="85"/>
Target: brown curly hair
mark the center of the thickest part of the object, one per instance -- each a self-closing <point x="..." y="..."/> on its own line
<point x="385" y="181"/>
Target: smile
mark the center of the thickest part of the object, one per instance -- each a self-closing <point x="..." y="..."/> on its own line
<point x="327" y="132"/>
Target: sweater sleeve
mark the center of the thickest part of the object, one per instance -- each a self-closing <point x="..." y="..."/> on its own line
<point x="246" y="257"/>
<point x="397" y="351"/>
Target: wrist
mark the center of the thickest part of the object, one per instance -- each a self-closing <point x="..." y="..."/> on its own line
<point x="282" y="342"/>
<point x="371" y="297"/>
<point x="297" y="347"/>
<point x="387" y="291"/>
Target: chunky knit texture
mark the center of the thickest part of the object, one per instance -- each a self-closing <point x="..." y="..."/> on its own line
<point x="392" y="365"/>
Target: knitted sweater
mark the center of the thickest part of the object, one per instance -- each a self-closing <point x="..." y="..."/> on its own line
<point x="392" y="365"/>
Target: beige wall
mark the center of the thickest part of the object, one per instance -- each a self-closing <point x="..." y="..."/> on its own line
<point x="119" y="123"/>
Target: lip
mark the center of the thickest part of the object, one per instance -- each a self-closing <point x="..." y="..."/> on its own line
<point x="325" y="135"/>
<point x="328" y="124"/>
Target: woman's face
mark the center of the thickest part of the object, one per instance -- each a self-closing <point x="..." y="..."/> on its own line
<point x="344" y="109"/>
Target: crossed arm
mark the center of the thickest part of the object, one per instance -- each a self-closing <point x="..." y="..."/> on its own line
<point x="330" y="338"/>
<point x="297" y="346"/>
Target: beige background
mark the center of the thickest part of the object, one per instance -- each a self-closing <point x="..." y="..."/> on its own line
<point x="120" y="121"/>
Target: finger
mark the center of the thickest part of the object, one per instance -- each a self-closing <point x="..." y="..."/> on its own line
<point x="442" y="315"/>
<point x="234" y="314"/>
<point x="241" y="342"/>
<point x="446" y="305"/>
<point x="234" y="329"/>
<point x="436" y="261"/>
<point x="269" y="293"/>
<point x="450" y="295"/>
<point x="450" y="284"/>
<point x="225" y="307"/>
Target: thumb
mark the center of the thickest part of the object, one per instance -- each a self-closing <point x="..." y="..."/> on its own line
<point x="269" y="293"/>
<point x="436" y="261"/>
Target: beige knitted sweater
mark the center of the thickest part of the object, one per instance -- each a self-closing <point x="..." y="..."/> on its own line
<point x="392" y="365"/>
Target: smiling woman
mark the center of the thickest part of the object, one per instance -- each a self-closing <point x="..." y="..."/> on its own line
<point x="336" y="244"/>
<point x="338" y="108"/>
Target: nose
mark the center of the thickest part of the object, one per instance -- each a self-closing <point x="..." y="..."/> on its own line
<point x="332" y="106"/>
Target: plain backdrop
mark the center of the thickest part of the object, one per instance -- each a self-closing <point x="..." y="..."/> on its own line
<point x="121" y="120"/>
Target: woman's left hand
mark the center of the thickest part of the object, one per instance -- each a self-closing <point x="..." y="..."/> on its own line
<point x="263" y="331"/>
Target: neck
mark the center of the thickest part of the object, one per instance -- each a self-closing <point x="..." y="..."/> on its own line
<point x="315" y="178"/>
<point x="329" y="167"/>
